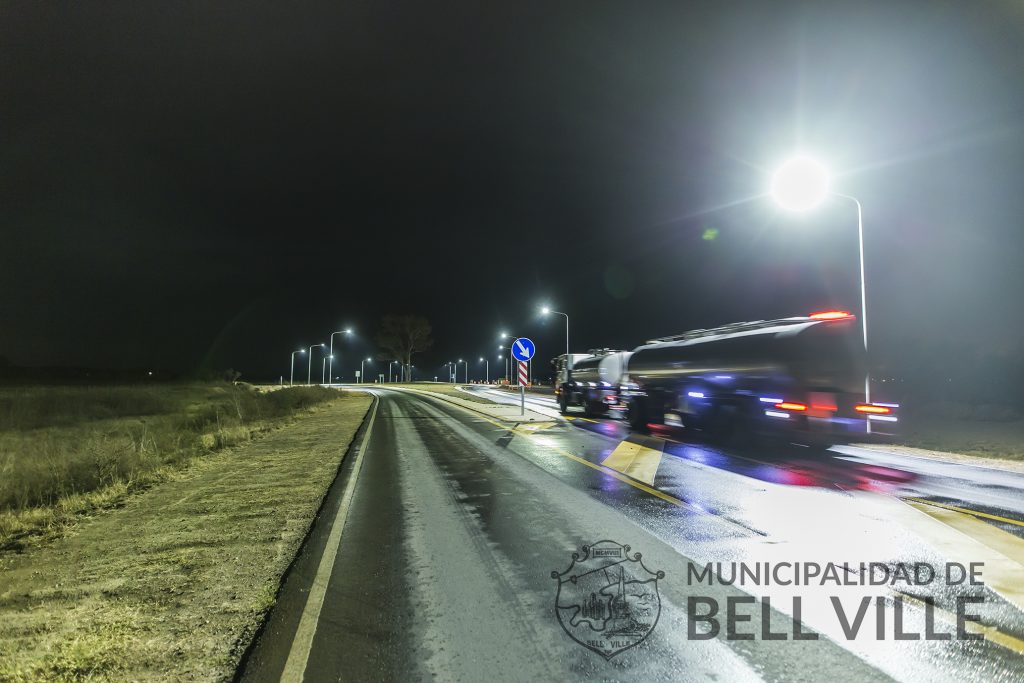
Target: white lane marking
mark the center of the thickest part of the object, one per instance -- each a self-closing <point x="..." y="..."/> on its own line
<point x="302" y="643"/>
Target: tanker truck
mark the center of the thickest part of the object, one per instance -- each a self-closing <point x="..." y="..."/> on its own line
<point x="802" y="378"/>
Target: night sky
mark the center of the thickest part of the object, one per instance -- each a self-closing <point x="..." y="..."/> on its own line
<point x="201" y="184"/>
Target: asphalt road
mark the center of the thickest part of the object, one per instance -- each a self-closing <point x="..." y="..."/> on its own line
<point x="445" y="551"/>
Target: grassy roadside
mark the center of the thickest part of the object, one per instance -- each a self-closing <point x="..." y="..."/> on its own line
<point x="65" y="451"/>
<point x="173" y="585"/>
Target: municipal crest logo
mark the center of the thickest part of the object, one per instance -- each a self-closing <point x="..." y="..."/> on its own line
<point x="607" y="599"/>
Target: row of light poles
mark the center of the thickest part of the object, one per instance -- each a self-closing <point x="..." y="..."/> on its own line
<point x="327" y="371"/>
<point x="509" y="358"/>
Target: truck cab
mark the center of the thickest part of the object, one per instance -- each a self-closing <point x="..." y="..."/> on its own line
<point x="590" y="380"/>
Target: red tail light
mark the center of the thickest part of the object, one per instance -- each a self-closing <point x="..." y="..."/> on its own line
<point x="830" y="315"/>
<point x="873" y="409"/>
<point x="790" y="406"/>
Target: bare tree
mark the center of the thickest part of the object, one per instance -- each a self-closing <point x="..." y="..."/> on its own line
<point x="403" y="335"/>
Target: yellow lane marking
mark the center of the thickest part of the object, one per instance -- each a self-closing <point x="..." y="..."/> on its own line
<point x="966" y="511"/>
<point x="678" y="502"/>
<point x="636" y="460"/>
<point x="954" y="539"/>
<point x="534" y="426"/>
<point x="991" y="633"/>
<point x="995" y="538"/>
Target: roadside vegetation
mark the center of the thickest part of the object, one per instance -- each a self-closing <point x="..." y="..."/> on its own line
<point x="172" y="583"/>
<point x="65" y="451"/>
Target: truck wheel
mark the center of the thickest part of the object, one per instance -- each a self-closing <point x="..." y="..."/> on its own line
<point x="637" y="415"/>
<point x="563" y="403"/>
<point x="588" y="406"/>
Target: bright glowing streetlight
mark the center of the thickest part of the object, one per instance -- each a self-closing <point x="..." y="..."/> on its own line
<point x="487" y="370"/>
<point x="291" y="379"/>
<point x="309" y="369"/>
<point x="568" y="359"/>
<point x="801" y="184"/>
<point x="457" y="370"/>
<point x="362" y="374"/>
<point x="331" y="365"/>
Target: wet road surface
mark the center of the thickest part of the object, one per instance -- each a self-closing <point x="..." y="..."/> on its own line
<point x="439" y="552"/>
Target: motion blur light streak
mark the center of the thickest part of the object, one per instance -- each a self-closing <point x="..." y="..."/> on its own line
<point x="876" y="409"/>
<point x="830" y="315"/>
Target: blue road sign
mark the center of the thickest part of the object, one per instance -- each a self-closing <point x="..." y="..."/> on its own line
<point x="523" y="349"/>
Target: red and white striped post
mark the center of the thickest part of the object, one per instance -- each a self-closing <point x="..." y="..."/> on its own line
<point x="523" y="379"/>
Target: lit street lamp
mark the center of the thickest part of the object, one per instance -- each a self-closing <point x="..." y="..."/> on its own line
<point x="362" y="374"/>
<point x="457" y="370"/>
<point x="801" y="184"/>
<point x="568" y="359"/>
<point x="487" y="370"/>
<point x="291" y="380"/>
<point x="309" y="369"/>
<point x="345" y="331"/>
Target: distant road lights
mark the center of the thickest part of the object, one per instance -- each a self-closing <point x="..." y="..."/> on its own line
<point x="291" y="379"/>
<point x="309" y="369"/>
<point x="801" y="184"/>
<point x="545" y="310"/>
<point x="347" y="330"/>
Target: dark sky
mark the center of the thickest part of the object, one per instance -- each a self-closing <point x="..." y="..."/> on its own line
<point x="217" y="183"/>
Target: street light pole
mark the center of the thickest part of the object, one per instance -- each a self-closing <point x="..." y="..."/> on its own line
<point x="487" y="370"/>
<point x="863" y="294"/>
<point x="345" y="331"/>
<point x="362" y="370"/>
<point x="309" y="368"/>
<point x="568" y="358"/>
<point x="800" y="185"/>
<point x="291" y="380"/>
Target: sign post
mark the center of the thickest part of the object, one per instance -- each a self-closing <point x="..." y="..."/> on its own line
<point x="523" y="349"/>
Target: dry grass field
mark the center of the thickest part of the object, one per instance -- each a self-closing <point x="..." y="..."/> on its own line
<point x="65" y="451"/>
<point x="170" y="581"/>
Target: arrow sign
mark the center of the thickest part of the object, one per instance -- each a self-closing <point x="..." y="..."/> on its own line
<point x="523" y="349"/>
